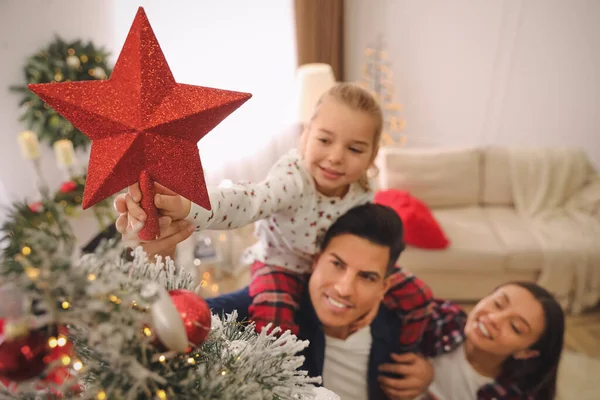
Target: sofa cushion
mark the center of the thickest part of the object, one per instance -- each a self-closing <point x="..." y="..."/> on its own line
<point x="496" y="189"/>
<point x="523" y="250"/>
<point x="439" y="177"/>
<point x="420" y="227"/>
<point x="474" y="244"/>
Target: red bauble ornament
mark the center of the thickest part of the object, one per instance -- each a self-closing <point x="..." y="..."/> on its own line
<point x="67" y="187"/>
<point x="195" y="314"/>
<point x="36" y="207"/>
<point x="144" y="126"/>
<point x="54" y="377"/>
<point x="23" y="358"/>
<point x="59" y="373"/>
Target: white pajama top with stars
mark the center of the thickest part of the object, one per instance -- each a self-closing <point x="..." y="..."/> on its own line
<point x="291" y="215"/>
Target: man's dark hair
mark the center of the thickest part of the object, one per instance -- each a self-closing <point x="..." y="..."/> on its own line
<point x="374" y="222"/>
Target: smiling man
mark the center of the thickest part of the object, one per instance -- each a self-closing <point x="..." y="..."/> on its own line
<point x="348" y="283"/>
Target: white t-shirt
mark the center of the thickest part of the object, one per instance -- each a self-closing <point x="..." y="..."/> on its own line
<point x="347" y="363"/>
<point x="292" y="215"/>
<point x="454" y="378"/>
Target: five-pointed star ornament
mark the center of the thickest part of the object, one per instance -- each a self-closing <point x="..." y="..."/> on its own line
<point x="144" y="126"/>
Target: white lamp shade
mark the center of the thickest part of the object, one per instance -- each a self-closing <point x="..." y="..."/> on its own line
<point x="313" y="81"/>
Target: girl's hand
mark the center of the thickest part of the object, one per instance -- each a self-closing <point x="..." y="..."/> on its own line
<point x="171" y="233"/>
<point x="131" y="216"/>
<point x="168" y="203"/>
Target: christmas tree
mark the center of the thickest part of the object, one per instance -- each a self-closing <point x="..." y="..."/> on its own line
<point x="102" y="327"/>
<point x="99" y="328"/>
<point x="22" y="217"/>
<point x="377" y="77"/>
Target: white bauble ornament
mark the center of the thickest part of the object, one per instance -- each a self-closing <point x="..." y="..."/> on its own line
<point x="99" y="73"/>
<point x="73" y="62"/>
<point x="166" y="321"/>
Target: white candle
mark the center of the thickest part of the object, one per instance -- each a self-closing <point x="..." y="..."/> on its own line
<point x="65" y="155"/>
<point x="29" y="144"/>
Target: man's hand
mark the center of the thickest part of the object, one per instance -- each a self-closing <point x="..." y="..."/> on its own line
<point x="131" y="216"/>
<point x="171" y="233"/>
<point x="416" y="373"/>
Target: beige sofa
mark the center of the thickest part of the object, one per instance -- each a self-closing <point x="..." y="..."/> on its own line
<point x="471" y="195"/>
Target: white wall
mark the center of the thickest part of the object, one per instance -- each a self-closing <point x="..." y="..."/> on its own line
<point x="25" y="27"/>
<point x="510" y="72"/>
<point x="235" y="45"/>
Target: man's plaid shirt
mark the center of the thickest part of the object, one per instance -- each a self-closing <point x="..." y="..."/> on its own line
<point x="445" y="333"/>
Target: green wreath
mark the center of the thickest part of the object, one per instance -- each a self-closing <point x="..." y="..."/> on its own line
<point x="59" y="62"/>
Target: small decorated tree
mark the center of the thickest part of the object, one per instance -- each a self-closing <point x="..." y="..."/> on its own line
<point x="23" y="218"/>
<point x="377" y="77"/>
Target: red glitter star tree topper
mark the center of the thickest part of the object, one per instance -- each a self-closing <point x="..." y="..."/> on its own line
<point x="144" y="126"/>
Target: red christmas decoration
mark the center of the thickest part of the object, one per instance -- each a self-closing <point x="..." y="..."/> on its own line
<point x="36" y="207"/>
<point x="56" y="376"/>
<point x="60" y="373"/>
<point x="195" y="314"/>
<point x="23" y="358"/>
<point x="67" y="187"/>
<point x="144" y="126"/>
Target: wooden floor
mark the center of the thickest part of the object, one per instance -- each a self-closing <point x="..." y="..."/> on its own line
<point x="583" y="333"/>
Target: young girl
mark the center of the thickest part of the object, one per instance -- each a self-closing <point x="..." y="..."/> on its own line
<point x="508" y="348"/>
<point x="306" y="190"/>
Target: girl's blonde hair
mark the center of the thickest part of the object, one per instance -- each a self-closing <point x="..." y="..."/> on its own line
<point x="358" y="99"/>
